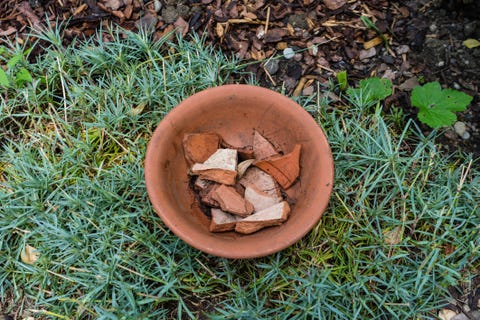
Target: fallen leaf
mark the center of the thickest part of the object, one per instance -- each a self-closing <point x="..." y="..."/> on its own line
<point x="393" y="236"/>
<point x="471" y="43"/>
<point x="137" y="110"/>
<point x="29" y="254"/>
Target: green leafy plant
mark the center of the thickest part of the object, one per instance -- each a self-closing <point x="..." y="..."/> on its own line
<point x="370" y="91"/>
<point x="15" y="73"/>
<point x="342" y="80"/>
<point x="437" y="107"/>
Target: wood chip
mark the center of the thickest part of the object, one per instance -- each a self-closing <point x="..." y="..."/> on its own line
<point x="271" y="216"/>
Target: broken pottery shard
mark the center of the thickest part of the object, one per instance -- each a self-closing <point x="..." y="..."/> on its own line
<point x="259" y="199"/>
<point x="262" y="148"/>
<point x="244" y="152"/>
<point x="198" y="147"/>
<point x="261" y="181"/>
<point x="206" y="195"/>
<point x="220" y="167"/>
<point x="201" y="183"/>
<point x="271" y="216"/>
<point x="243" y="166"/>
<point x="231" y="201"/>
<point x="222" y="221"/>
<point x="284" y="169"/>
<point x="334" y="4"/>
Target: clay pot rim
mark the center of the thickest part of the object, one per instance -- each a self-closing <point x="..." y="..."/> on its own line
<point x="221" y="247"/>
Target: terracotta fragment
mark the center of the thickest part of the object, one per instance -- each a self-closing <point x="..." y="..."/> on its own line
<point x="201" y="183"/>
<point x="271" y="216"/>
<point x="261" y="181"/>
<point x="259" y="199"/>
<point x="222" y="221"/>
<point x="262" y="148"/>
<point x="206" y="195"/>
<point x="231" y="201"/>
<point x="284" y="169"/>
<point x="220" y="167"/>
<point x="243" y="166"/>
<point x="244" y="152"/>
<point x="198" y="147"/>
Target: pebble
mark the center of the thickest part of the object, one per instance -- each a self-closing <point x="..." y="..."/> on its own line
<point x="388" y="59"/>
<point x="365" y="54"/>
<point x="157" y="5"/>
<point x="271" y="66"/>
<point x="460" y="316"/>
<point x="288" y="53"/>
<point x="460" y="128"/>
<point x="409" y="84"/>
<point x="402" y="49"/>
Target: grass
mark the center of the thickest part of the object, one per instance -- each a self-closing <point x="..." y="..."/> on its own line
<point x="402" y="226"/>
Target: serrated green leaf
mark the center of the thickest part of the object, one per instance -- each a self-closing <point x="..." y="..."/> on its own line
<point x="377" y="88"/>
<point x="12" y="62"/>
<point x="455" y="100"/>
<point x="424" y="96"/>
<point x="436" y="107"/>
<point x="370" y="91"/>
<point x="4" y="79"/>
<point x="437" y="118"/>
<point x="23" y="76"/>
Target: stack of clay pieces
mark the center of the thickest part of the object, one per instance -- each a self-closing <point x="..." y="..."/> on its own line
<point x="241" y="186"/>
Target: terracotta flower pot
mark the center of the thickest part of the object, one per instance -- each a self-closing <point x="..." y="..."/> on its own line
<point x="234" y="112"/>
